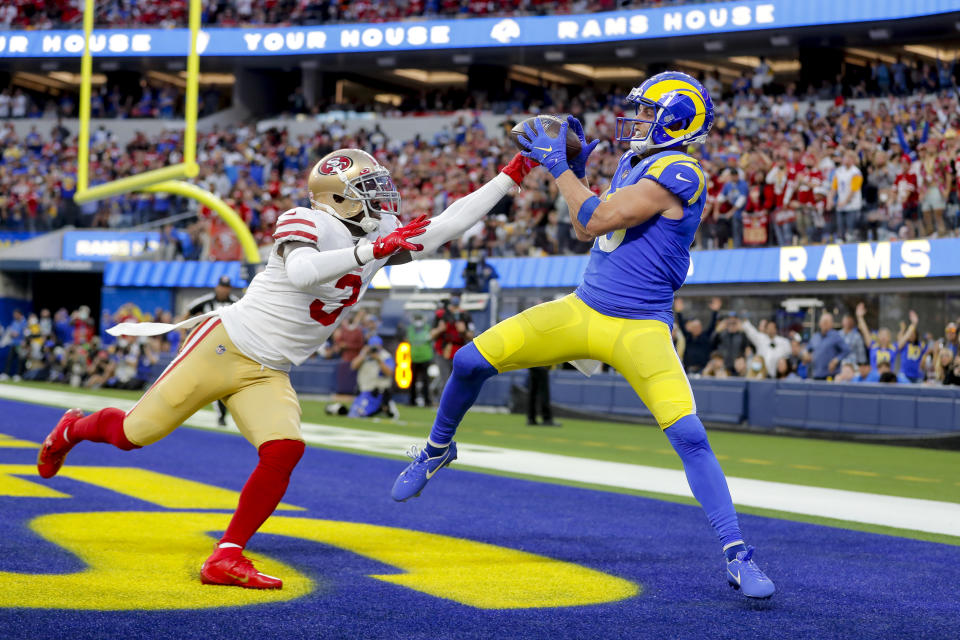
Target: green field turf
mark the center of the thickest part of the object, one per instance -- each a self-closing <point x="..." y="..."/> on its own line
<point x="909" y="472"/>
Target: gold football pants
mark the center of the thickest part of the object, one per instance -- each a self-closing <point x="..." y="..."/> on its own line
<point x="208" y="368"/>
<point x="567" y="329"/>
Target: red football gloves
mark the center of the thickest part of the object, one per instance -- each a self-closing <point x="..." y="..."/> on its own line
<point x="397" y="241"/>
<point x="518" y="168"/>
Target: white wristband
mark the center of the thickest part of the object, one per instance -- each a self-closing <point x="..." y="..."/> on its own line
<point x="364" y="252"/>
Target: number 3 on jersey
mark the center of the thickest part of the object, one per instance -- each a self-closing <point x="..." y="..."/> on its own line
<point x="349" y="281"/>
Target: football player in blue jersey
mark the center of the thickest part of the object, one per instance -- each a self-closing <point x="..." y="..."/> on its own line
<point x="621" y="313"/>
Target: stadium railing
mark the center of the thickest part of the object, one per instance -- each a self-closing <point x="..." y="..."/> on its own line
<point x="845" y="409"/>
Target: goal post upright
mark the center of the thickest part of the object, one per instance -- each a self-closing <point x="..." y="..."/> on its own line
<point x="166" y="179"/>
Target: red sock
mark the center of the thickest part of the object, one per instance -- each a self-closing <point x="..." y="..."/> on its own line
<point x="264" y="489"/>
<point x="105" y="425"/>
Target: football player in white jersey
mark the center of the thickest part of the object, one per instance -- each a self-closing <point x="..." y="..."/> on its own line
<point x="323" y="259"/>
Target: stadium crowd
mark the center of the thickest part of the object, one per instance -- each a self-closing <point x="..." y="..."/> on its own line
<point x="48" y="14"/>
<point x="65" y="347"/>
<point x="69" y="348"/>
<point x="782" y="170"/>
<point x="728" y="344"/>
<point x="155" y="100"/>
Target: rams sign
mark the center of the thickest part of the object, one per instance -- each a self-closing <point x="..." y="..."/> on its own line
<point x="526" y="31"/>
<point x="863" y="261"/>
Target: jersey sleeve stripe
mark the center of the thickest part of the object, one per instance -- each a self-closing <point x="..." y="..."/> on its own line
<point x="696" y="169"/>
<point x="658" y="167"/>
<point x="660" y="164"/>
<point x="283" y="221"/>
<point x="296" y="232"/>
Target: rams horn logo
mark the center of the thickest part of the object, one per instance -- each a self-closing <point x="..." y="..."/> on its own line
<point x="331" y="165"/>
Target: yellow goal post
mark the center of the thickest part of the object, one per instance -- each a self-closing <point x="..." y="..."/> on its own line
<point x="166" y="179"/>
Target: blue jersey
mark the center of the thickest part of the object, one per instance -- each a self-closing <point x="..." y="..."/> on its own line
<point x="882" y="354"/>
<point x="910" y="356"/>
<point x="633" y="273"/>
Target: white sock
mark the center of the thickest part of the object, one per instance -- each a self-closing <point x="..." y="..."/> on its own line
<point x="228" y="545"/>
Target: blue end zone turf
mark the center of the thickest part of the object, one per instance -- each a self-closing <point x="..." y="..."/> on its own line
<point x="831" y="583"/>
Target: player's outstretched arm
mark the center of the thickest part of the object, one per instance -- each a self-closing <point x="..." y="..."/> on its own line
<point x="590" y="216"/>
<point x="626" y="208"/>
<point x="456" y="219"/>
<point x="307" y="266"/>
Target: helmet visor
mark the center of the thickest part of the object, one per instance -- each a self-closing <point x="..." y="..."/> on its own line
<point x="378" y="193"/>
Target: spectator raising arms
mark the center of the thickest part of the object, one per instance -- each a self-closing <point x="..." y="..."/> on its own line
<point x="851" y="335"/>
<point x="699" y="343"/>
<point x="730" y="340"/>
<point x="771" y="348"/>
<point x="882" y="348"/>
<point x="912" y="349"/>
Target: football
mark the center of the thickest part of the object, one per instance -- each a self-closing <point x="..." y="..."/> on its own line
<point x="551" y="124"/>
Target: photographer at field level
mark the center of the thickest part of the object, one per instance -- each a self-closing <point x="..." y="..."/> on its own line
<point x="375" y="367"/>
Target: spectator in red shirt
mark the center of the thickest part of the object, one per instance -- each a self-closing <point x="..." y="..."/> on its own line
<point x="908" y="196"/>
<point x="755" y="219"/>
<point x="810" y="199"/>
<point x="784" y="218"/>
<point x="451" y="330"/>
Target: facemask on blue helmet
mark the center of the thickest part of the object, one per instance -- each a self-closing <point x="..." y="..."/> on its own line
<point x="677" y="110"/>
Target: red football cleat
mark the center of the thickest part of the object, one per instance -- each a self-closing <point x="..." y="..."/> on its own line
<point x="56" y="447"/>
<point x="230" y="567"/>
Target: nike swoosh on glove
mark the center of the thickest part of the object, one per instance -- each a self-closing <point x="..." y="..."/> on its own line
<point x="550" y="152"/>
<point x="396" y="241"/>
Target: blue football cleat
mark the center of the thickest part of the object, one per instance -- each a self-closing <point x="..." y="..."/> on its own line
<point x="414" y="478"/>
<point x="745" y="576"/>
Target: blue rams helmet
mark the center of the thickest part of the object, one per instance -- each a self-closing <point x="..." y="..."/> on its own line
<point x="683" y="112"/>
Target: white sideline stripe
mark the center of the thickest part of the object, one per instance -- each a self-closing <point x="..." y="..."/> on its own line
<point x="929" y="516"/>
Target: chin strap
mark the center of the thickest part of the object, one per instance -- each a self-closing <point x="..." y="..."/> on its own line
<point x="369" y="225"/>
<point x="366" y="224"/>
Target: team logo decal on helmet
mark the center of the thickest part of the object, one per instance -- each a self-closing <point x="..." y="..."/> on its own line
<point x="330" y="166"/>
<point x="353" y="187"/>
<point x="682" y="112"/>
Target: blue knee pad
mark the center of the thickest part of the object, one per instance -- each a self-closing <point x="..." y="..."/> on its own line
<point x="688" y="436"/>
<point x="468" y="363"/>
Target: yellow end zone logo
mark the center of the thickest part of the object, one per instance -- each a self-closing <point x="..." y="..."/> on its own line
<point x="151" y="560"/>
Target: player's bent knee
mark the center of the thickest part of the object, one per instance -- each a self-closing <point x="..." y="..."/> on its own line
<point x="687" y="435"/>
<point x="281" y="455"/>
<point x="143" y="427"/>
<point x="469" y="363"/>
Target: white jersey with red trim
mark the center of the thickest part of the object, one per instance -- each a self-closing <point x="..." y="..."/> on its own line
<point x="277" y="324"/>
